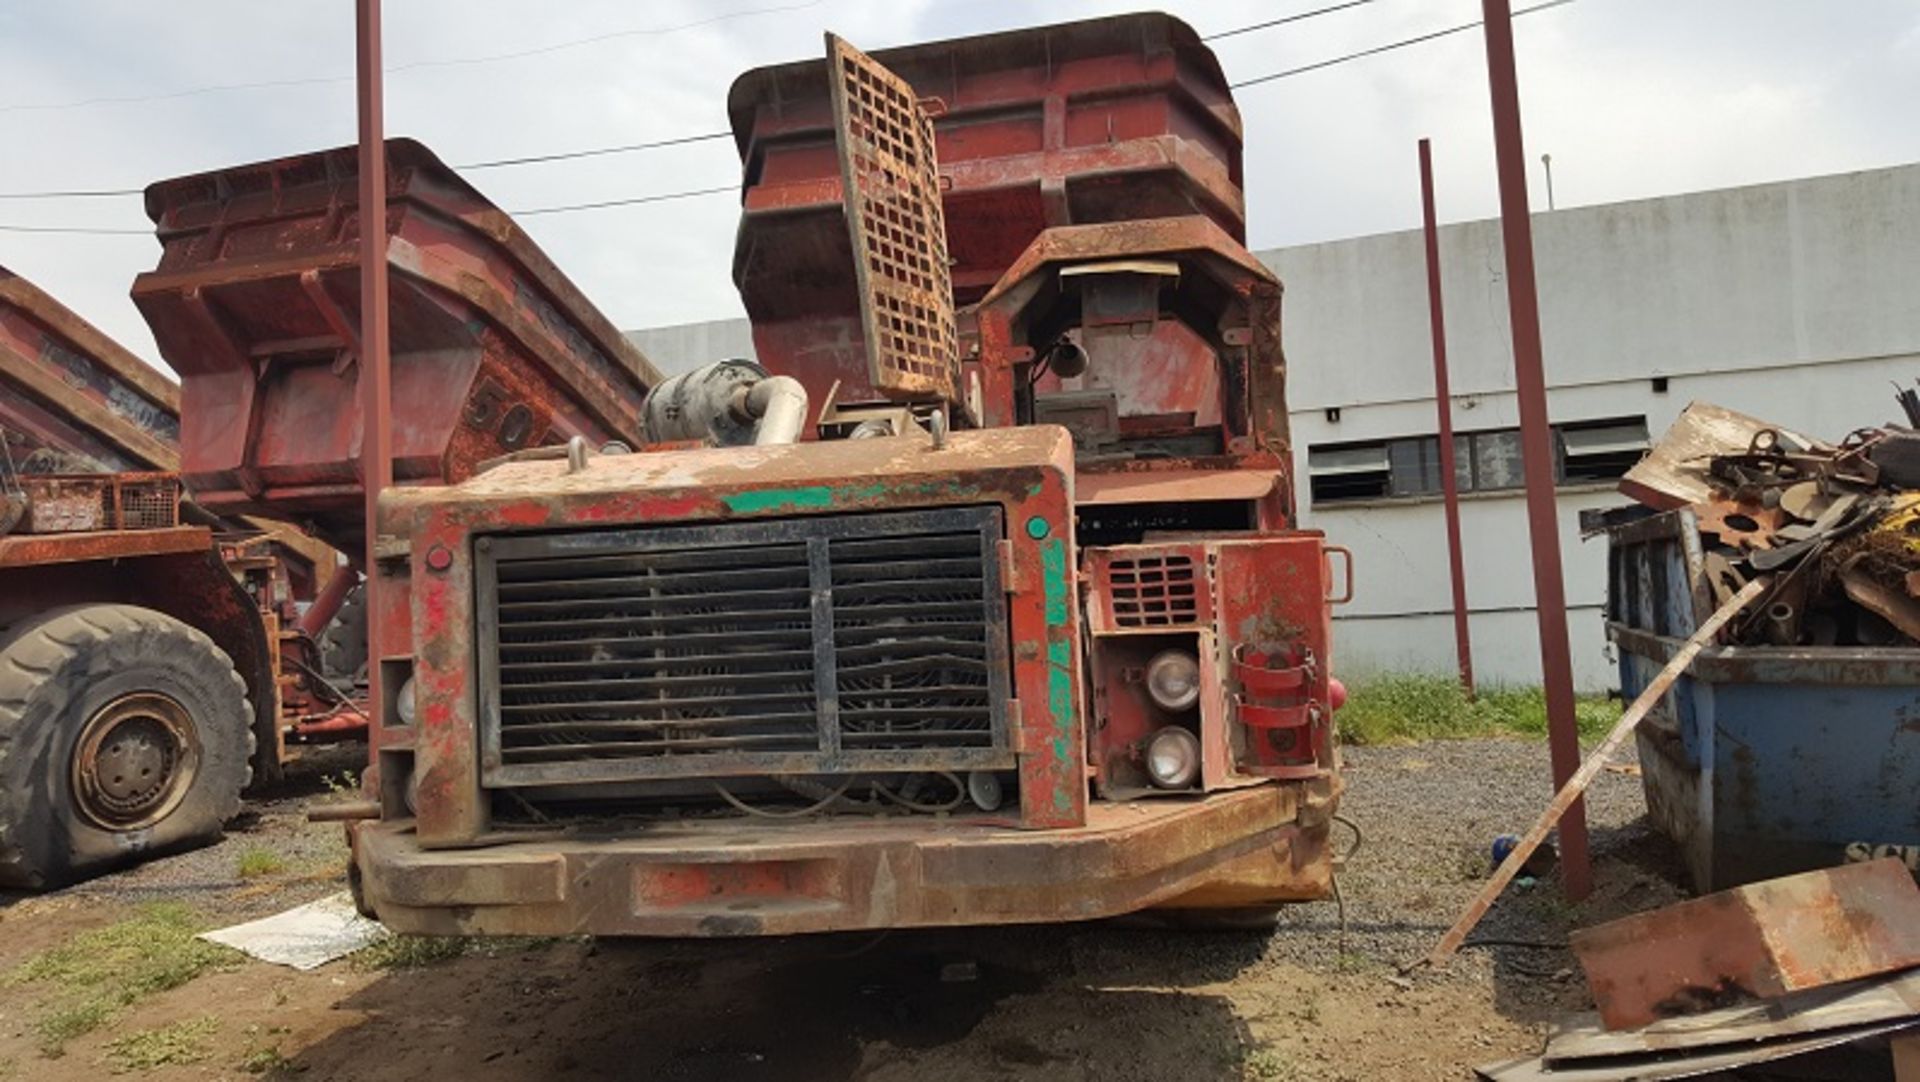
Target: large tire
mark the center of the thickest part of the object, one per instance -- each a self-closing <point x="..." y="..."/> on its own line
<point x="124" y="734"/>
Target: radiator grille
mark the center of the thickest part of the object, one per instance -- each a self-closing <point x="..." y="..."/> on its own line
<point x="851" y="643"/>
<point x="1153" y="591"/>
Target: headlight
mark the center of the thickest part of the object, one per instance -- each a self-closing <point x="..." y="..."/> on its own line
<point x="403" y="702"/>
<point x="1173" y="758"/>
<point x="1173" y="680"/>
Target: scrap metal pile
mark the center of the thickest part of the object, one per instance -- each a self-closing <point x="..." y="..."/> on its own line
<point x="1835" y="527"/>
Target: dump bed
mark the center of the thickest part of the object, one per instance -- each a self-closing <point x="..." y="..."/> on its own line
<point x="1107" y="120"/>
<point x="71" y="399"/>
<point x="255" y="303"/>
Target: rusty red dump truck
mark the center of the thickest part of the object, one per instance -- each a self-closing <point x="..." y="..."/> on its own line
<point x="975" y="599"/>
<point x="150" y="659"/>
<point x="157" y="648"/>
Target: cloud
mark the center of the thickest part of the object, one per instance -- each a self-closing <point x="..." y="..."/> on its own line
<point x="1632" y="97"/>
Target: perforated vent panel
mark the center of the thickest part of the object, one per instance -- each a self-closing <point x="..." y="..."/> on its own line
<point x="840" y="643"/>
<point x="1153" y="591"/>
<point x="899" y="232"/>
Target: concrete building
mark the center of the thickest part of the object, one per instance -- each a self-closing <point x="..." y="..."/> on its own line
<point x="1798" y="302"/>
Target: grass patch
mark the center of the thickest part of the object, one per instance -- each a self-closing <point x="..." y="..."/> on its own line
<point x="174" y="1045"/>
<point x="91" y="977"/>
<point x="255" y="862"/>
<point x="1400" y="709"/>
<point x="414" y="951"/>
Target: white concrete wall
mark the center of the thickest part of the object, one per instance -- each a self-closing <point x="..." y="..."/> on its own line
<point x="687" y="346"/>
<point x="1798" y="302"/>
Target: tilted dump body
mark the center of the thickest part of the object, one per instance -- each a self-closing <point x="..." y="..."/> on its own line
<point x="255" y="303"/>
<point x="72" y="399"/>
<point x="1110" y="120"/>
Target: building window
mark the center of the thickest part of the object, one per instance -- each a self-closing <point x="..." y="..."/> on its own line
<point x="1585" y="452"/>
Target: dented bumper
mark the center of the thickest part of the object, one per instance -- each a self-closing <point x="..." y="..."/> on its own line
<point x="1253" y="846"/>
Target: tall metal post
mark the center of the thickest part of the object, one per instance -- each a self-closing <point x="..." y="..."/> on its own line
<point x="376" y="458"/>
<point x="1443" y="401"/>
<point x="1536" y="441"/>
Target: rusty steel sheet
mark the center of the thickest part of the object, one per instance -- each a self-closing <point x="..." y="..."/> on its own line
<point x="1114" y="119"/>
<point x="890" y="179"/>
<point x="31" y="550"/>
<point x="725" y="878"/>
<point x="1220" y="376"/>
<point x="72" y="399"/>
<point x="1758" y="941"/>
<point x="255" y="302"/>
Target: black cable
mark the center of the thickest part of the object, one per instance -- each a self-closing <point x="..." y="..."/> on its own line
<point x="1378" y="49"/>
<point x="76" y="229"/>
<point x="593" y="152"/>
<point x="707" y="136"/>
<point x="1303" y="16"/>
<point x="266" y="84"/>
<point x="661" y="198"/>
<point x="495" y="163"/>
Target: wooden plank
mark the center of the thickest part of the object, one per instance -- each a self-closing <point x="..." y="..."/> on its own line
<point x="1596" y="762"/>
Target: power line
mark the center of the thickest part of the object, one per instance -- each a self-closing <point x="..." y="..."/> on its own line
<point x="705" y="136"/>
<point x="595" y="152"/>
<point x="76" y="229"/>
<point x="457" y="61"/>
<point x="496" y="163"/>
<point x="1378" y="49"/>
<point x="1303" y="16"/>
<point x="626" y="202"/>
<point x="87" y="193"/>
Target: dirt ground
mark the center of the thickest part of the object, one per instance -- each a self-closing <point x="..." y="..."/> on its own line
<point x="1084" y="1001"/>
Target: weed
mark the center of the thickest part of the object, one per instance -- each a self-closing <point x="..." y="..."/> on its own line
<point x="174" y="1045"/>
<point x="1398" y="709"/>
<point x="345" y="784"/>
<point x="1353" y="962"/>
<point x="263" y="1056"/>
<point x="255" y="862"/>
<point x="414" y="951"/>
<point x="1264" y="1064"/>
<point x="93" y="975"/>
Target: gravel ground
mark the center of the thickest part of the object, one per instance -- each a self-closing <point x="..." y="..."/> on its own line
<point x="1094" y="1001"/>
<point x="1430" y="813"/>
<point x="311" y="856"/>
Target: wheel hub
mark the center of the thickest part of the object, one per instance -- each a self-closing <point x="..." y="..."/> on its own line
<point x="134" y="762"/>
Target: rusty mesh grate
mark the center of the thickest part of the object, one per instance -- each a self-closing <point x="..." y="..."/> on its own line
<point x="1153" y="591"/>
<point x="892" y="190"/>
<point x="149" y="503"/>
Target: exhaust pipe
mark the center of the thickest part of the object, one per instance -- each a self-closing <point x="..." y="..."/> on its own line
<point x="730" y="403"/>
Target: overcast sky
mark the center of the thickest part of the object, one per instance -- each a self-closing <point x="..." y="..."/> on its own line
<point x="1632" y="98"/>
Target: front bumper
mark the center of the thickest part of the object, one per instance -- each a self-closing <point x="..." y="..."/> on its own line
<point x="1253" y="846"/>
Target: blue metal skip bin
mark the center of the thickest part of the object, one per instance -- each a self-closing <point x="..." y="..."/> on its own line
<point x="1762" y="760"/>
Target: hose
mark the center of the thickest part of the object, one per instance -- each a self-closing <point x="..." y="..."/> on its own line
<point x="791" y="813"/>
<point x="959" y="796"/>
<point x="1359" y="839"/>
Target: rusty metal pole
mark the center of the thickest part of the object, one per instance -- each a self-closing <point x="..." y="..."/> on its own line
<point x="1443" y="402"/>
<point x="1536" y="442"/>
<point x="376" y="459"/>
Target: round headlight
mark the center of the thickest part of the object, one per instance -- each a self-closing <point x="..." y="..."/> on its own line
<point x="1173" y="680"/>
<point x="1173" y="758"/>
<point x="403" y="704"/>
